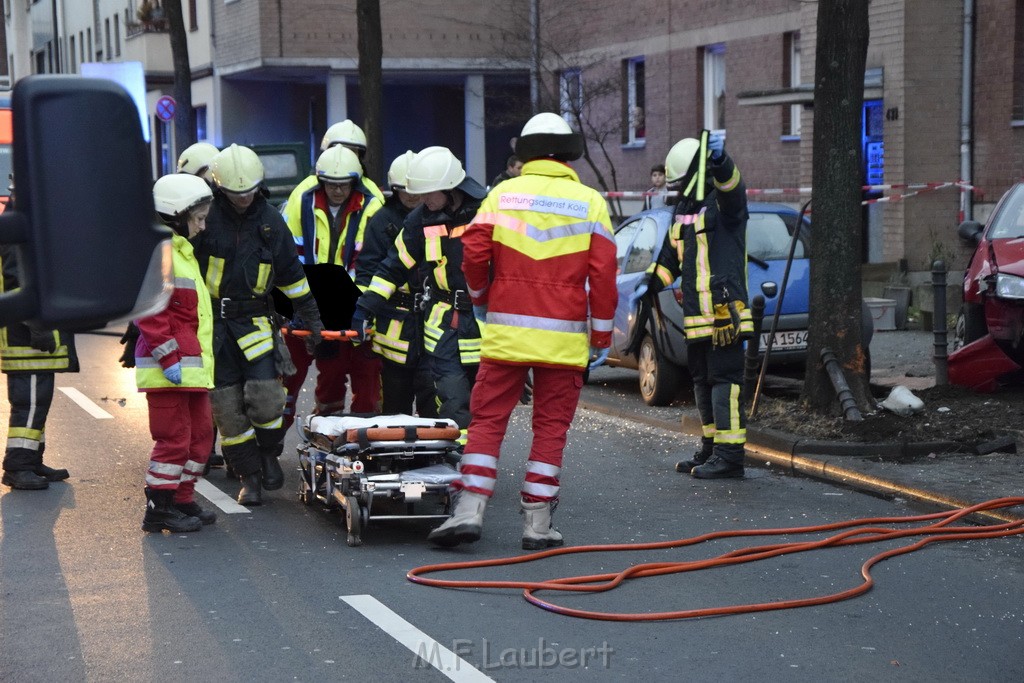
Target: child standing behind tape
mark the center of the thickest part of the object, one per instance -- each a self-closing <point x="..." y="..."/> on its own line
<point x="174" y="367"/>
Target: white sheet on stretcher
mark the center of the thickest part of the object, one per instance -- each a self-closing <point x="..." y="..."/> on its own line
<point x="336" y="425"/>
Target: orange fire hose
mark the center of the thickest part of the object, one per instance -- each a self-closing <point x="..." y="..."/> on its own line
<point x="869" y="531"/>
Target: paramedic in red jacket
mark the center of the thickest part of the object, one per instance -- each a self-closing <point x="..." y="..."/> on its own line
<point x="539" y="260"/>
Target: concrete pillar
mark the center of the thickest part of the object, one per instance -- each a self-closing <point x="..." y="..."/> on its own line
<point x="476" y="139"/>
<point x="337" y="100"/>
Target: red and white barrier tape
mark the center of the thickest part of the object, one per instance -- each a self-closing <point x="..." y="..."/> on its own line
<point x="917" y="188"/>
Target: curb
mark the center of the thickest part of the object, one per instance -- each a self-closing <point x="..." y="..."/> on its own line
<point x="775" y="449"/>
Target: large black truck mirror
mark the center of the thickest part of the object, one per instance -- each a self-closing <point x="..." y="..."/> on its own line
<point x="83" y="221"/>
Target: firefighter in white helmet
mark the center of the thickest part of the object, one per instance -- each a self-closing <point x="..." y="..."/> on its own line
<point x="174" y="367"/>
<point x="195" y="160"/>
<point x="245" y="252"/>
<point x="431" y="244"/>
<point x="398" y="337"/>
<point x="539" y="260"/>
<point x="328" y="224"/>
<point x="707" y="246"/>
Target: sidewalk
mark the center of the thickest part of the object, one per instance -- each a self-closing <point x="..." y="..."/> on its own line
<point x="944" y="480"/>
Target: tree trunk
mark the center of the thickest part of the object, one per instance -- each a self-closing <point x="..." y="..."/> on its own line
<point x="184" y="118"/>
<point x="835" y="313"/>
<point x="371" y="51"/>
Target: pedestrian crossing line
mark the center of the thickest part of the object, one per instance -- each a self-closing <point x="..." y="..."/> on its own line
<point x="222" y="500"/>
<point x="85" y="403"/>
<point x="419" y="643"/>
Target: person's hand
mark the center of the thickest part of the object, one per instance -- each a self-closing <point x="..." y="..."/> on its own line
<point x="639" y="291"/>
<point x="360" y="325"/>
<point x="480" y="313"/>
<point x="716" y="145"/>
<point x="128" y="339"/>
<point x="598" y="357"/>
<point x="173" y="373"/>
<point x="527" y="394"/>
<point x="42" y="340"/>
<point x="727" y="323"/>
<point x="314" y="339"/>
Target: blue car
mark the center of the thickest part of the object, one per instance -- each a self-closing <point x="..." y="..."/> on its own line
<point x="661" y="359"/>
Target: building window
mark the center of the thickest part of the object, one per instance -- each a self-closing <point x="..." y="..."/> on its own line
<point x="89" y="33"/>
<point x="1018" y="62"/>
<point x="117" y="36"/>
<point x="193" y="16"/>
<point x="570" y="86"/>
<point x="791" y="79"/>
<point x="714" y="87"/>
<point x="106" y="32"/>
<point x="200" y="112"/>
<point x="81" y="46"/>
<point x="635" y="109"/>
<point x="71" y="54"/>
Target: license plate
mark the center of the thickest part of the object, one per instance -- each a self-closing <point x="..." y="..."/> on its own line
<point x="790" y="340"/>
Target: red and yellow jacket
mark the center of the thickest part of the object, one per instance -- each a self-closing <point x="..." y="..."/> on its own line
<point x="540" y="255"/>
<point x="182" y="333"/>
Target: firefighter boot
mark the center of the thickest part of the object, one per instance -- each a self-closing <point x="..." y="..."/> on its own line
<point x="537" y="530"/>
<point x="50" y="473"/>
<point x="161" y="514"/>
<point x="273" y="475"/>
<point x="698" y="458"/>
<point x="717" y="467"/>
<point x="193" y="509"/>
<point x="25" y="480"/>
<point x="250" y="494"/>
<point x="466" y="522"/>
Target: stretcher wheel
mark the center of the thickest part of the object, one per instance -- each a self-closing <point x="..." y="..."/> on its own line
<point x="353" y="521"/>
<point x="307" y="496"/>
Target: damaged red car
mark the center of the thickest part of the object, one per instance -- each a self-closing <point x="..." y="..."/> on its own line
<point x="989" y="336"/>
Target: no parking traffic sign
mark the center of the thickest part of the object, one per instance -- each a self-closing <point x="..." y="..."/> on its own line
<point x="165" y="108"/>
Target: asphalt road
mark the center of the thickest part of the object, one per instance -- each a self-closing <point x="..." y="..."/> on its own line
<point x="274" y="594"/>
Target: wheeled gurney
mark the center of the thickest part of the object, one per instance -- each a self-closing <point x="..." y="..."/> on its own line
<point x="387" y="463"/>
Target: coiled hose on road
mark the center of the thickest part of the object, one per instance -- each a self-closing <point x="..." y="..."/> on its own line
<point x="856" y="532"/>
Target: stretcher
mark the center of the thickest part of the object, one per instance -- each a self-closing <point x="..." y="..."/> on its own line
<point x="377" y="468"/>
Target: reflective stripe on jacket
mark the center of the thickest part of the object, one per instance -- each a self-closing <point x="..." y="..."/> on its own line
<point x="181" y="333"/>
<point x="541" y="255"/>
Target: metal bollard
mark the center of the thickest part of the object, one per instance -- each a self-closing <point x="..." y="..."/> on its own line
<point x="939" y="323"/>
<point x="751" y="359"/>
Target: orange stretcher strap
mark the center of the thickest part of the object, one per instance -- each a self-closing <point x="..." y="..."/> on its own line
<point x="333" y="335"/>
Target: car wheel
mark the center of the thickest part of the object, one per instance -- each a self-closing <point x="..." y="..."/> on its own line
<point x="970" y="325"/>
<point x="659" y="377"/>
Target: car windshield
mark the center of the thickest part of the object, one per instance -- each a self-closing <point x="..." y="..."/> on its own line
<point x="769" y="236"/>
<point x="1010" y="220"/>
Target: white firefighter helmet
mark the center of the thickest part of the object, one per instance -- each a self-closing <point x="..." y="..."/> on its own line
<point x="344" y="133"/>
<point x="433" y="169"/>
<point x="176" y="194"/>
<point x="338" y="164"/>
<point x="679" y="161"/>
<point x="549" y="135"/>
<point x="399" y="168"/>
<point x="195" y="160"/>
<point x="237" y="169"/>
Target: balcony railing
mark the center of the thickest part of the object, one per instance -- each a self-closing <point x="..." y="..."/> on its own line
<point x="154" y="26"/>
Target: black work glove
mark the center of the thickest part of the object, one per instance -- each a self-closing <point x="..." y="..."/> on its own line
<point x="309" y="315"/>
<point x="42" y="340"/>
<point x="527" y="394"/>
<point x="361" y="323"/>
<point x="128" y="339"/>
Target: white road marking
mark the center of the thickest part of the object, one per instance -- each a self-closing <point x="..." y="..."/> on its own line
<point x="222" y="500"/>
<point x="85" y="403"/>
<point x="418" y="642"/>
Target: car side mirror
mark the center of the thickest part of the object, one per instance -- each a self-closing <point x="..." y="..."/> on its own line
<point x="970" y="231"/>
<point x="88" y="247"/>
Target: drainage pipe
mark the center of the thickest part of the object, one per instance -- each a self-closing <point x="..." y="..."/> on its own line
<point x="835" y="373"/>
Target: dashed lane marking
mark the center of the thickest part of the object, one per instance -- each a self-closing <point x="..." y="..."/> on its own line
<point x="85" y="403"/>
<point x="419" y="643"/>
<point x="222" y="500"/>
